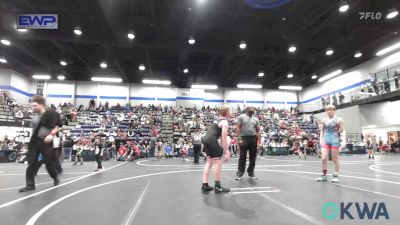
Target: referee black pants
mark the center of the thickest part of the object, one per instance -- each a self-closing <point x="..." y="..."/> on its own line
<point x="37" y="146"/>
<point x="98" y="159"/>
<point x="196" y="152"/>
<point x="249" y="144"/>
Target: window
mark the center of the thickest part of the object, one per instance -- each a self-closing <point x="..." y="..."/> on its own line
<point x="381" y="75"/>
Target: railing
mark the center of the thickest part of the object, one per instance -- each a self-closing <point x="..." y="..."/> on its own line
<point x="351" y="97"/>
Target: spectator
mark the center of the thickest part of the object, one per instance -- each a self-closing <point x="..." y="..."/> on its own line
<point x="396" y="79"/>
<point x="387" y="85"/>
<point x="19" y="115"/>
<point x="380" y="144"/>
<point x="78" y="154"/>
<point x="185" y="151"/>
<point x="392" y="142"/>
<point x="98" y="154"/>
<point x="341" y="98"/>
<point x="4" y="146"/>
<point x="121" y="155"/>
<point x="375" y="86"/>
<point x="67" y="146"/>
<point x="197" y="146"/>
<point x="158" y="151"/>
<point x="334" y="99"/>
<point x="168" y="151"/>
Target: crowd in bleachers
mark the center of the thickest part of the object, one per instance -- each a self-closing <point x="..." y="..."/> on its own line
<point x="130" y="132"/>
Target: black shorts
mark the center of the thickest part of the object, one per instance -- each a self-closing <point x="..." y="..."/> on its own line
<point x="213" y="149"/>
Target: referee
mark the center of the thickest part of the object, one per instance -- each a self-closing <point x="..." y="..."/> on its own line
<point x="247" y="129"/>
<point x="45" y="128"/>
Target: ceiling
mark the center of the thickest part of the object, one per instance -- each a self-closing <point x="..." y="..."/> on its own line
<point x="162" y="29"/>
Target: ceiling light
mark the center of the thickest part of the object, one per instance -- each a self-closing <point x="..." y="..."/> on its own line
<point x="249" y="86"/>
<point x="261" y="74"/>
<point x="142" y="67"/>
<point x="5" y="42"/>
<point x="329" y="51"/>
<point x="186" y="70"/>
<point x="131" y="35"/>
<point x="204" y="86"/>
<point x="191" y="40"/>
<point x="107" y="79"/>
<point x="242" y="45"/>
<point x="388" y="49"/>
<point x="63" y="63"/>
<point x="162" y="82"/>
<point x="22" y="30"/>
<point x="392" y="14"/>
<point x="344" y="6"/>
<point x="61" y="77"/>
<point x="3" y="60"/>
<point x="314" y="77"/>
<point x="41" y="77"/>
<point x="103" y="65"/>
<point x="293" y="88"/>
<point x="77" y="30"/>
<point x="292" y="48"/>
<point x="290" y="75"/>
<point x="329" y="76"/>
<point x="357" y="54"/>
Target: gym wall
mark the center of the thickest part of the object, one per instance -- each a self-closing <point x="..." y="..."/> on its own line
<point x="375" y="118"/>
<point x="350" y="116"/>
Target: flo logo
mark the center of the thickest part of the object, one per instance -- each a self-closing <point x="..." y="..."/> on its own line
<point x="370" y="15"/>
<point x="351" y="210"/>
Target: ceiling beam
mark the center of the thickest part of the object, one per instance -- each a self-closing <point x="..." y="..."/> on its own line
<point x="77" y="55"/>
<point x="153" y="17"/>
<point x="246" y="58"/>
<point x="232" y="21"/>
<point x="226" y="63"/>
<point x="16" y="61"/>
<point x="50" y="66"/>
<point x="220" y="50"/>
<point x="210" y="65"/>
<point x="111" y="53"/>
<point x="148" y="60"/>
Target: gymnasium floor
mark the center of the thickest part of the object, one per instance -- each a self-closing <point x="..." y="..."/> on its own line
<point x="167" y="191"/>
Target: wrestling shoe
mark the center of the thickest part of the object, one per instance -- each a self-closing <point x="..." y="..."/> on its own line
<point x="239" y="175"/>
<point x="27" y="188"/>
<point x="252" y="176"/>
<point x="335" y="178"/>
<point x="56" y="182"/>
<point x="206" y="188"/>
<point x="322" y="178"/>
<point x="221" y="189"/>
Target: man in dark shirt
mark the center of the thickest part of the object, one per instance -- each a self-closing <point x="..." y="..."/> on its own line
<point x="45" y="128"/>
<point x="248" y="130"/>
<point x="98" y="153"/>
<point x="196" y="146"/>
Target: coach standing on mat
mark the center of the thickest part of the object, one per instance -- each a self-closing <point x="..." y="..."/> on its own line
<point x="247" y="129"/>
<point x="45" y="128"/>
